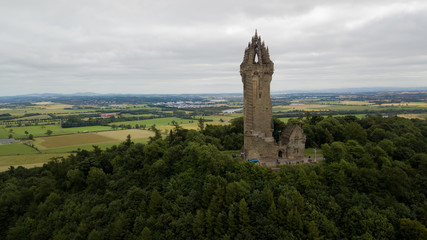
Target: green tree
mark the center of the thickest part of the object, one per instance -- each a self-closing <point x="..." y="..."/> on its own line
<point x="243" y="214"/>
<point x="412" y="229"/>
<point x="95" y="235"/>
<point x="278" y="127"/>
<point x="199" y="224"/>
<point x="49" y="132"/>
<point x="334" y="152"/>
<point x="146" y="234"/>
<point x="353" y="131"/>
<point x="96" y="179"/>
<point x="155" y="205"/>
<point x="157" y="134"/>
<point x="201" y="124"/>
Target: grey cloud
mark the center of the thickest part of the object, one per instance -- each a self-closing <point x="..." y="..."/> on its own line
<point x="197" y="46"/>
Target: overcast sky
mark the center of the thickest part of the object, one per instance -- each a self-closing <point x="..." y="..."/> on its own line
<point x="196" y="46"/>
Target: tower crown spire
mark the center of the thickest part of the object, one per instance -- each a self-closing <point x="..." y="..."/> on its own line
<point x="256" y="52"/>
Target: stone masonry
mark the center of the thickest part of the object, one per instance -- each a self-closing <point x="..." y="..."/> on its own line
<point x="257" y="70"/>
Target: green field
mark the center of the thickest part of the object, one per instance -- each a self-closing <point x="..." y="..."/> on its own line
<point x="348" y="106"/>
<point x="309" y="152"/>
<point x="15" y="149"/>
<point x="224" y="117"/>
<point x="22" y="111"/>
<point x="89" y="146"/>
<point x="157" y="121"/>
<point x="40" y="131"/>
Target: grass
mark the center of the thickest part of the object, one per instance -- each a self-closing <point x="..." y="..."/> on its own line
<point x="15" y="149"/>
<point x="40" y="131"/>
<point x="225" y="117"/>
<point x="308" y="107"/>
<point x="71" y="140"/>
<point x="42" y="110"/>
<point x="357" y="103"/>
<point x="28" y="160"/>
<point x="310" y="152"/>
<point x="157" y="121"/>
<point x="285" y="120"/>
<point x="88" y="147"/>
<point x="349" y="105"/>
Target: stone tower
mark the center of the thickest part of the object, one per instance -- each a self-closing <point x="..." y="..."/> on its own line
<point x="257" y="70"/>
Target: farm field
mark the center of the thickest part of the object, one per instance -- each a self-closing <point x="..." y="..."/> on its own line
<point x="75" y="140"/>
<point x="89" y="147"/>
<point x="15" y="149"/>
<point x="348" y="105"/>
<point x="139" y="115"/>
<point x="320" y="107"/>
<point x="166" y="123"/>
<point x="70" y="140"/>
<point x="354" y="103"/>
<point x="121" y="135"/>
<point x="157" y="121"/>
<point x="52" y="105"/>
<point x="224" y="117"/>
<point x="407" y="104"/>
<point x="27" y="161"/>
<point x="414" y="116"/>
<point x="285" y="120"/>
<point x="40" y="131"/>
<point x="42" y="110"/>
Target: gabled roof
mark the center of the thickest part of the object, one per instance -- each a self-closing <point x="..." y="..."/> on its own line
<point x="287" y="132"/>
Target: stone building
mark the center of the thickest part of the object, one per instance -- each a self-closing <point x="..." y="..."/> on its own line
<point x="257" y="70"/>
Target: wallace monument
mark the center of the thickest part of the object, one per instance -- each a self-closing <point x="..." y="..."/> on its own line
<point x="257" y="71"/>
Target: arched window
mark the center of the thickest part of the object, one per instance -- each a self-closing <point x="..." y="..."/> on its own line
<point x="256" y="56"/>
<point x="280" y="154"/>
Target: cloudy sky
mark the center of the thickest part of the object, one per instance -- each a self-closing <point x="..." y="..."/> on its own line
<point x="196" y="46"/>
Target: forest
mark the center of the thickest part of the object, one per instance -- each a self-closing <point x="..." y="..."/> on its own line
<point x="372" y="185"/>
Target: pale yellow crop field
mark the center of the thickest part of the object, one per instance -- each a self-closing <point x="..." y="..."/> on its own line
<point x="357" y="103"/>
<point x="52" y="105"/>
<point x="43" y="103"/>
<point x="122" y="134"/>
<point x="28" y="160"/>
<point x="414" y="116"/>
<point x="409" y="104"/>
<point x="58" y="106"/>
